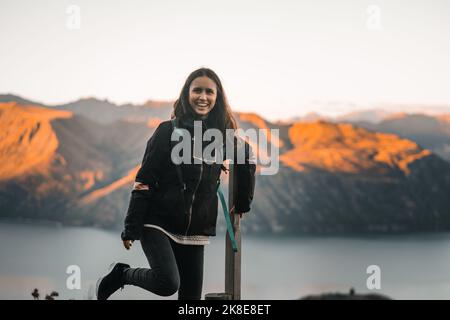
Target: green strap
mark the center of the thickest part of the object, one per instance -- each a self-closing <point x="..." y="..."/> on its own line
<point x="227" y="219"/>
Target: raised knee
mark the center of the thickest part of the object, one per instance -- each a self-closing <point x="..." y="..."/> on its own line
<point x="170" y="284"/>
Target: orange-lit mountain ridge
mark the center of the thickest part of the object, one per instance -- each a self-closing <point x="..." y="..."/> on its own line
<point x="346" y="148"/>
<point x="52" y="159"/>
<point x="27" y="140"/>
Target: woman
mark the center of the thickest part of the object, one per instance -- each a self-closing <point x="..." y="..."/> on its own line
<point x="173" y="207"/>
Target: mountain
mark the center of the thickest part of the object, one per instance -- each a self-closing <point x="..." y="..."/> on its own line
<point x="19" y="100"/>
<point x="60" y="165"/>
<point x="431" y="132"/>
<point x="342" y="178"/>
<point x="369" y="115"/>
<point x="27" y="141"/>
<point x="105" y="112"/>
<point x="53" y="158"/>
<point x="309" y="117"/>
<point x="373" y="115"/>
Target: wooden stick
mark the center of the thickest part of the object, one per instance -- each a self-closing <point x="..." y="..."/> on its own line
<point x="233" y="259"/>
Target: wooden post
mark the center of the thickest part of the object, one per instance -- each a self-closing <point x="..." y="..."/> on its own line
<point x="233" y="259"/>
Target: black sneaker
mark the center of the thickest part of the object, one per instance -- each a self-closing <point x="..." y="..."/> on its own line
<point x="112" y="281"/>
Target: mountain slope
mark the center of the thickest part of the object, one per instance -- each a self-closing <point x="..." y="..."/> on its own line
<point x="27" y="140"/>
<point x="52" y="158"/>
<point x="346" y="148"/>
<point x="341" y="178"/>
<point x="106" y="112"/>
<point x="431" y="132"/>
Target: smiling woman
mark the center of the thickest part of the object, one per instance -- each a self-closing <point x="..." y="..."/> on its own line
<point x="173" y="207"/>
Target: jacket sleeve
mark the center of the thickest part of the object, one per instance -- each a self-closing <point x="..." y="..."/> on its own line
<point x="155" y="154"/>
<point x="134" y="220"/>
<point x="245" y="181"/>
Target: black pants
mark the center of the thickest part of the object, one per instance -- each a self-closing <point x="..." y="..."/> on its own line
<point x="173" y="267"/>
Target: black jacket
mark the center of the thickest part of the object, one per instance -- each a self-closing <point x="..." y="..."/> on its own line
<point x="182" y="200"/>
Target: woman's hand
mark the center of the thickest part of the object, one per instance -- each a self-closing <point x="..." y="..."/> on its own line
<point x="232" y="211"/>
<point x="127" y="244"/>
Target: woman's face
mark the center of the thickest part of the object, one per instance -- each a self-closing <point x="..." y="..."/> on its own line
<point x="202" y="95"/>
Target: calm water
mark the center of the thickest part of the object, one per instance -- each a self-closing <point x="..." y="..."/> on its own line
<point x="412" y="267"/>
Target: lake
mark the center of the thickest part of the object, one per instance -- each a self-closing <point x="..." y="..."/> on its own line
<point x="273" y="267"/>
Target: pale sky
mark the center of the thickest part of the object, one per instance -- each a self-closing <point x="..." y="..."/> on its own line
<point x="277" y="58"/>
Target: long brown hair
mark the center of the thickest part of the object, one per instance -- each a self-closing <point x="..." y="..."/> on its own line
<point x="220" y="116"/>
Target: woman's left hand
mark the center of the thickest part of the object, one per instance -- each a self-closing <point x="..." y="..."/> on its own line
<point x="127" y="244"/>
<point x="232" y="211"/>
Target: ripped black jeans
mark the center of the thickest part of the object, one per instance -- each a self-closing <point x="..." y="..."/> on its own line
<point x="174" y="267"/>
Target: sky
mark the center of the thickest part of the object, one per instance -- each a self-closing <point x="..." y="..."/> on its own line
<point x="277" y="58"/>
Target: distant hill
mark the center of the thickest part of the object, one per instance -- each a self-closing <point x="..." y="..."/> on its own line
<point x="19" y="100"/>
<point x="370" y="115"/>
<point x="103" y="111"/>
<point x="431" y="132"/>
<point x="309" y="117"/>
<point x="60" y="165"/>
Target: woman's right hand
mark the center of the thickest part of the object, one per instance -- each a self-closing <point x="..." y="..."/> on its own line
<point x="127" y="244"/>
